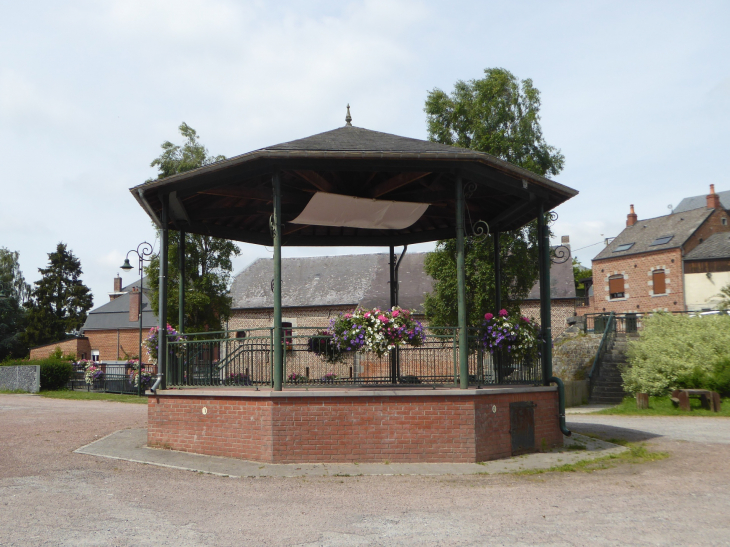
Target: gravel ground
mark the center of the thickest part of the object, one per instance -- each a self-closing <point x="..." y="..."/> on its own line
<point x="51" y="496"/>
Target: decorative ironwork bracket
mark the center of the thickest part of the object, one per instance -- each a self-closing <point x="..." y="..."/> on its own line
<point x="480" y="230"/>
<point x="559" y="254"/>
<point x="272" y="227"/>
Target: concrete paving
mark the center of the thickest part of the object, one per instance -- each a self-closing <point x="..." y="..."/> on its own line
<point x="129" y="445"/>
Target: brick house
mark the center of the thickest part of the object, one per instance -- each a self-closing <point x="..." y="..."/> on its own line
<point x="643" y="268"/>
<point x="73" y="345"/>
<point x="706" y="272"/>
<point x="316" y="289"/>
<point x="112" y="330"/>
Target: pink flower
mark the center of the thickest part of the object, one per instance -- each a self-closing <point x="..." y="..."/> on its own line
<point x="382" y="318"/>
<point x="488" y="316"/>
<point x="503" y="313"/>
<point x="395" y="313"/>
<point x="525" y="319"/>
<point x="348" y="315"/>
<point x="367" y="314"/>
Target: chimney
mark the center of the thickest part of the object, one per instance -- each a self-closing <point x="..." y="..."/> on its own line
<point x="713" y="200"/>
<point x="117" y="288"/>
<point x="565" y="240"/>
<point x="631" y="218"/>
<point x="135" y="298"/>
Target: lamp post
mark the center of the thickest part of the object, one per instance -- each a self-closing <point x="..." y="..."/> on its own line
<point x="143" y="250"/>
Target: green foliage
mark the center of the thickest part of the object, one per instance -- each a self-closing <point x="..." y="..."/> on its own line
<point x="678" y="352"/>
<point x="93" y="396"/>
<point x="59" y="301"/>
<point x="519" y="272"/>
<point x="208" y="263"/>
<point x="55" y="373"/>
<point x="725" y="295"/>
<point x="498" y="115"/>
<point x="13" y="316"/>
<point x="580" y="272"/>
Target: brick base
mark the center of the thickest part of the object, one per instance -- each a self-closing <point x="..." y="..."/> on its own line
<point x="355" y="425"/>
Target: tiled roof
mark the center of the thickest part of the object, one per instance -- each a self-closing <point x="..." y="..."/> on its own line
<point x="642" y="234"/>
<point x="697" y="202"/>
<point x="115" y="315"/>
<point x="562" y="282"/>
<point x="332" y="281"/>
<point x="715" y="246"/>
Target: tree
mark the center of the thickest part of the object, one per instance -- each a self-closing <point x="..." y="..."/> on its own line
<point x="580" y="272"/>
<point x="12" y="314"/>
<point x="208" y="264"/>
<point x="498" y="115"/>
<point x="59" y="301"/>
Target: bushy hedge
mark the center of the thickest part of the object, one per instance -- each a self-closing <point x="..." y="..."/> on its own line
<point x="679" y="352"/>
<point x="55" y="373"/>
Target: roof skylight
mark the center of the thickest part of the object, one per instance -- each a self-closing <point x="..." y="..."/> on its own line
<point x="661" y="240"/>
<point x="623" y="247"/>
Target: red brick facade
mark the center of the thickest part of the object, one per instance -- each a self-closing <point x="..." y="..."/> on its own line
<point x="116" y="345"/>
<point x="638" y="269"/>
<point x="349" y="426"/>
<point x="79" y="347"/>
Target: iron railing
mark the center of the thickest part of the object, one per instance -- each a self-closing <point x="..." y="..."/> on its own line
<point x="607" y="340"/>
<point x="116" y="379"/>
<point x="218" y="359"/>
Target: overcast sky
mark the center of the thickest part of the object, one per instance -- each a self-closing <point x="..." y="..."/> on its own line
<point x="635" y="94"/>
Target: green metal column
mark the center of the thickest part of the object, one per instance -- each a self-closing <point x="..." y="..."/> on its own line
<point x="181" y="284"/>
<point x="497" y="274"/>
<point x="461" y="282"/>
<point x="543" y="233"/>
<point x="162" y="319"/>
<point x="393" y="289"/>
<point x="278" y="339"/>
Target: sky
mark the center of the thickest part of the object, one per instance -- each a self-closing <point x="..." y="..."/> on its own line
<point x="636" y="95"/>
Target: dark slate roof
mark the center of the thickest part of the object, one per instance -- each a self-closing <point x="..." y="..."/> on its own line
<point x="698" y="202"/>
<point x="332" y="281"/>
<point x="358" y="139"/>
<point x="715" y="246"/>
<point x="134" y="285"/>
<point x="115" y="315"/>
<point x="644" y="232"/>
<point x="562" y="282"/>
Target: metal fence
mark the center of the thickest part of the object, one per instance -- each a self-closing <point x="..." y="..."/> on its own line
<point x="116" y="379"/>
<point x="629" y="323"/>
<point x="246" y="359"/>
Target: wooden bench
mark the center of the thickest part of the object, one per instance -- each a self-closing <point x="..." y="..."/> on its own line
<point x="709" y="400"/>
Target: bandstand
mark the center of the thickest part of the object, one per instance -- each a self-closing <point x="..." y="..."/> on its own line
<point x="228" y="394"/>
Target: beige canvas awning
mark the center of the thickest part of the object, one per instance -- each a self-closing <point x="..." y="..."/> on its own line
<point x="325" y="209"/>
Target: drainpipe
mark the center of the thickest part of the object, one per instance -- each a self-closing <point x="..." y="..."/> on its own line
<point x="561" y="405"/>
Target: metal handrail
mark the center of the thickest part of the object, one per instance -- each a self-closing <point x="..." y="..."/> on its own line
<point x="609" y="335"/>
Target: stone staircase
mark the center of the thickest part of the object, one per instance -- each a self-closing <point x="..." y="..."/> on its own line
<point x="608" y="386"/>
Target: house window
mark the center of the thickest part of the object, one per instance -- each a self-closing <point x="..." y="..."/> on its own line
<point x="659" y="282"/>
<point x="724" y="221"/>
<point x="286" y="328"/>
<point x="95" y="355"/>
<point x="616" y="286"/>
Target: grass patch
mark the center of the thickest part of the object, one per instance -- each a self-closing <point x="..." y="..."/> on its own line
<point x="91" y="396"/>
<point x="662" y="406"/>
<point x="12" y="391"/>
<point x="637" y="453"/>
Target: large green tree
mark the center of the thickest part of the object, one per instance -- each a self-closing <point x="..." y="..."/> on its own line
<point x="12" y="313"/>
<point x="208" y="260"/>
<point x="499" y="115"/>
<point x="59" y="301"/>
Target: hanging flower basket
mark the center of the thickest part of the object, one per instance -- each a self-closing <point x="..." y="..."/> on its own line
<point x="92" y="371"/>
<point x="152" y="343"/>
<point x="146" y="379"/>
<point x="517" y="339"/>
<point x="377" y="331"/>
<point x="322" y="344"/>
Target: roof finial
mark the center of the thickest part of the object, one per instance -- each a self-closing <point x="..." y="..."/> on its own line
<point x="348" y="118"/>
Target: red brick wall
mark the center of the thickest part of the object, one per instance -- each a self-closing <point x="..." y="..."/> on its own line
<point x="711" y="226"/>
<point x="637" y="271"/>
<point x="560" y="312"/>
<point x="332" y="428"/>
<point x="113" y="348"/>
<point x="76" y="346"/>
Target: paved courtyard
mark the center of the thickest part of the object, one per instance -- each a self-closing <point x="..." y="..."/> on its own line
<point x="51" y="495"/>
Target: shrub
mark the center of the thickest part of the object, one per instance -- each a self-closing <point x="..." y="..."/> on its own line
<point x="54" y="373"/>
<point x="720" y="380"/>
<point x="676" y="352"/>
